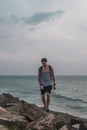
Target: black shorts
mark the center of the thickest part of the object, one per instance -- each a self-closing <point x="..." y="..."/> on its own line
<point x="46" y="89"/>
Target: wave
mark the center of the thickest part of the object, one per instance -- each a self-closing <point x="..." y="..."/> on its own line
<point x="80" y="108"/>
<point x="26" y="92"/>
<point x="69" y="98"/>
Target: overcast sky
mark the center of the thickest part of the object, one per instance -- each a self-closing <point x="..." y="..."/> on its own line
<point x="32" y="29"/>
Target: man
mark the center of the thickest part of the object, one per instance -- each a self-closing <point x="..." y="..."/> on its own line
<point x="46" y="80"/>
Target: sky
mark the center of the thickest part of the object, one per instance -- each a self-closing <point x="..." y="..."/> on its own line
<point x="32" y="29"/>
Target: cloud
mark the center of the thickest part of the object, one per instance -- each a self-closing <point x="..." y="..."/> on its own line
<point x="12" y="19"/>
<point x="42" y="17"/>
<point x="35" y="19"/>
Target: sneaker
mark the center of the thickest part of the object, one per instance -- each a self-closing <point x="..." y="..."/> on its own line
<point x="47" y="110"/>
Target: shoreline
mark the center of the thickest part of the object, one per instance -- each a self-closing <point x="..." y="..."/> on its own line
<point x="64" y="111"/>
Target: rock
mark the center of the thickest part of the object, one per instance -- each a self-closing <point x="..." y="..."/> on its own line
<point x="7" y="98"/>
<point x="65" y="127"/>
<point x="11" y="120"/>
<point x="3" y="128"/>
<point x="77" y="126"/>
<point x="19" y="115"/>
<point x="16" y="113"/>
<point x="83" y="125"/>
<point x="45" y="123"/>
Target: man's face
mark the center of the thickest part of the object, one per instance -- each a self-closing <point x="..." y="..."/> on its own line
<point x="44" y="63"/>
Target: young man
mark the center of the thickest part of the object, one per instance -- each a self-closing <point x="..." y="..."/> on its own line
<point x="46" y="80"/>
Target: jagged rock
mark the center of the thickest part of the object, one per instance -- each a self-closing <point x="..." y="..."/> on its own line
<point x="45" y="123"/>
<point x="15" y="112"/>
<point x="19" y="115"/>
<point x="7" y="98"/>
<point x="3" y="128"/>
<point x="65" y="127"/>
<point x="83" y="125"/>
<point x="76" y="126"/>
<point x="11" y="120"/>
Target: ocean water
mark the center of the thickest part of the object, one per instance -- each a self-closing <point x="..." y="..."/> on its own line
<point x="69" y="97"/>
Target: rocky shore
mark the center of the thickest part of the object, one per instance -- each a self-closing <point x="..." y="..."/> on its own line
<point x="16" y="114"/>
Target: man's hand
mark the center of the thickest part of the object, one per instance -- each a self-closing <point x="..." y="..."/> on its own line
<point x="41" y="87"/>
<point x="54" y="87"/>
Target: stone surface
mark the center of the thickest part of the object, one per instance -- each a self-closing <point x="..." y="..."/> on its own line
<point x="19" y="115"/>
<point x="3" y="128"/>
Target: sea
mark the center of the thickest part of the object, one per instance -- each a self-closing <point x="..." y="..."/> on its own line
<point x="69" y="97"/>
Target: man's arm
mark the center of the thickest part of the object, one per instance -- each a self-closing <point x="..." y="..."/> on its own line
<point x="39" y="77"/>
<point x="53" y="77"/>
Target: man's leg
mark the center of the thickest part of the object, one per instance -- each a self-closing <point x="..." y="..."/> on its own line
<point x="43" y="96"/>
<point x="44" y="100"/>
<point x="49" y="88"/>
<point x="48" y="100"/>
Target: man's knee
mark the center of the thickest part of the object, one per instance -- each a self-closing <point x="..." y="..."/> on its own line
<point x="43" y="96"/>
<point x="48" y="94"/>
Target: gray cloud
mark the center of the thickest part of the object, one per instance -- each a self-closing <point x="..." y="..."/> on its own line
<point x="35" y="19"/>
<point x="42" y="17"/>
<point x="9" y="20"/>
